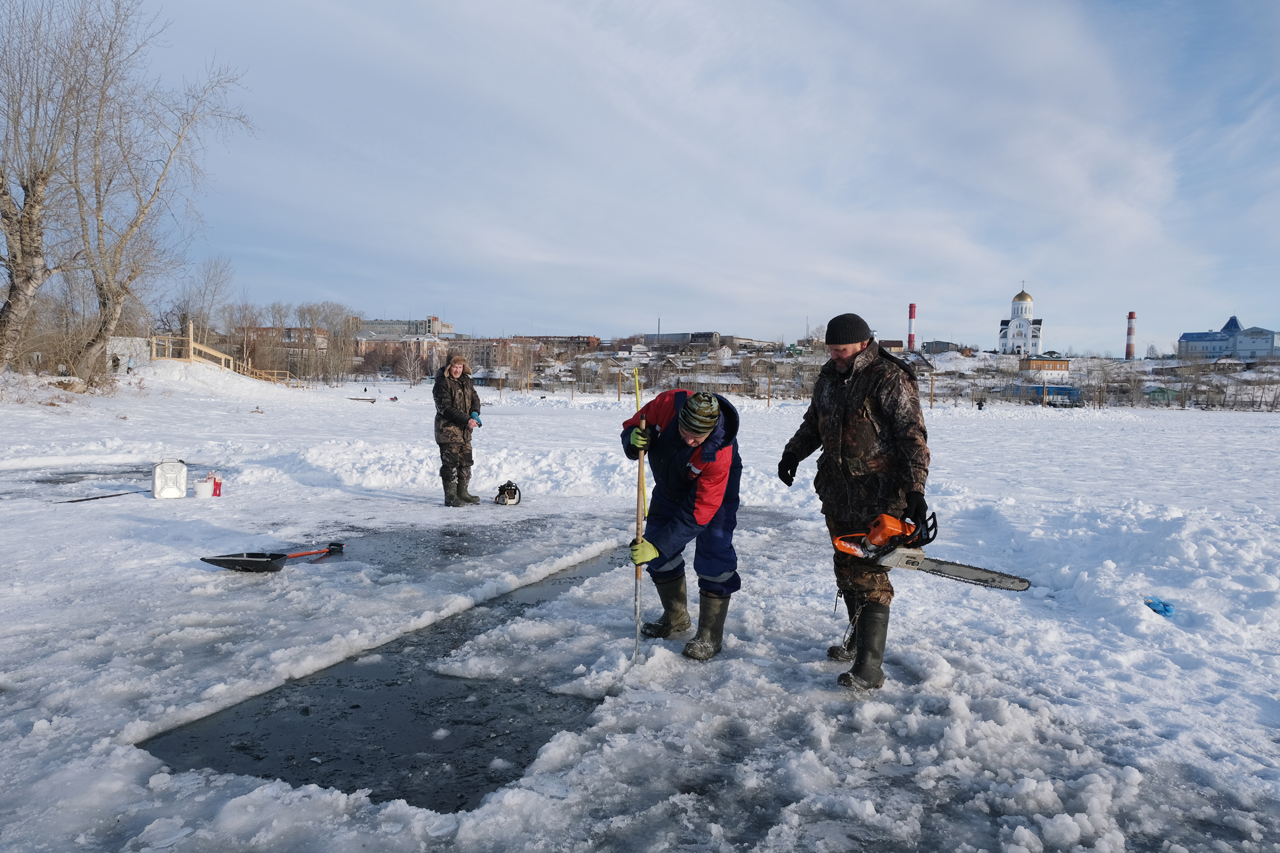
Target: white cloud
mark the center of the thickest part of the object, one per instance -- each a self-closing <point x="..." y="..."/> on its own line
<point x="566" y="167"/>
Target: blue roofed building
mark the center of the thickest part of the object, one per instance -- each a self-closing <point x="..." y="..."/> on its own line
<point x="1231" y="341"/>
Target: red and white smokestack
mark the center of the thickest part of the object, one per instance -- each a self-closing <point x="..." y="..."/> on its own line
<point x="911" y="328"/>
<point x="1129" y="338"/>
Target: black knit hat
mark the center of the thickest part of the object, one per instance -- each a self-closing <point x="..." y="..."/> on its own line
<point x="700" y="413"/>
<point x="847" y="329"/>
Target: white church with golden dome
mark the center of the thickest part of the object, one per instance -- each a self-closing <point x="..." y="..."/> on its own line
<point x="1020" y="334"/>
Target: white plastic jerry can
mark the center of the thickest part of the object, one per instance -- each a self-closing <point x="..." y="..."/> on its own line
<point x="169" y="479"/>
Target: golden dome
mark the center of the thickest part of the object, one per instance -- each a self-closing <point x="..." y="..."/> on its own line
<point x="1022" y="296"/>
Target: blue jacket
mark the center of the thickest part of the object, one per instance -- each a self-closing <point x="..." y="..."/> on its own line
<point x="702" y="482"/>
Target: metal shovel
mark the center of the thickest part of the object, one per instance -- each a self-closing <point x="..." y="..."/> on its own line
<point x="261" y="562"/>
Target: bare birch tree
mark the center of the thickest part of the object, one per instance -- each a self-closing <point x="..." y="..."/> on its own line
<point x="199" y="299"/>
<point x="342" y="322"/>
<point x="409" y="364"/>
<point x="330" y="328"/>
<point x="42" y="47"/>
<point x="279" y="314"/>
<point x="242" y="321"/>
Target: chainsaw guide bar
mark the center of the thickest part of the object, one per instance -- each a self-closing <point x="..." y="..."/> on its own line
<point x="914" y="558"/>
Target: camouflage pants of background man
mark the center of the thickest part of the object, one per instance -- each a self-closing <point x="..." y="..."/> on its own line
<point x="455" y="461"/>
<point x="859" y="581"/>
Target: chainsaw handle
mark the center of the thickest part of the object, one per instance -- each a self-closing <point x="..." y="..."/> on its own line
<point x="851" y="547"/>
<point x="334" y="548"/>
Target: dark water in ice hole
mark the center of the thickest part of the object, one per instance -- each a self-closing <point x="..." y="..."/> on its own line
<point x="393" y="726"/>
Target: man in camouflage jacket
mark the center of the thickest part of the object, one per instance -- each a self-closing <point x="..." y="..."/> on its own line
<point x="865" y="415"/>
<point x="457" y="415"/>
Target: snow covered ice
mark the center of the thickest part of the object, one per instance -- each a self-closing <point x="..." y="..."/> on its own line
<point x="1069" y="717"/>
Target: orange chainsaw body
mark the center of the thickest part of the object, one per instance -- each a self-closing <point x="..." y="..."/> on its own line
<point x="883" y="531"/>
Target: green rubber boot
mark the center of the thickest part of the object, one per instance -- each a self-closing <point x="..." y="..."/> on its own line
<point x="465" y="496"/>
<point x="675" y="610"/>
<point x="712" y="609"/>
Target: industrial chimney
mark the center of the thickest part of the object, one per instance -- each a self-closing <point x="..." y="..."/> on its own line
<point x="1129" y="338"/>
<point x="911" y="328"/>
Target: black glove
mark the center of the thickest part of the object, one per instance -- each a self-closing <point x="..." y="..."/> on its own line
<point x="787" y="468"/>
<point x="917" y="511"/>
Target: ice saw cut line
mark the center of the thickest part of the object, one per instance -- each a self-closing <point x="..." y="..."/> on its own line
<point x="888" y="543"/>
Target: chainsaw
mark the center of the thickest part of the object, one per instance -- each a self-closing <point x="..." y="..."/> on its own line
<point x="895" y="543"/>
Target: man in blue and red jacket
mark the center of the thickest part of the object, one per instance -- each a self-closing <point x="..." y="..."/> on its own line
<point x="691" y="441"/>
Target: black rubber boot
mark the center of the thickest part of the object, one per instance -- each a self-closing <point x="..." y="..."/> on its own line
<point x="712" y="609"/>
<point x="465" y="496"/>
<point x="451" y="492"/>
<point x="675" y="610"/>
<point x="869" y="638"/>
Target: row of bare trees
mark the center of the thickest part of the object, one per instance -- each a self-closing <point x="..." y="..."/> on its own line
<point x="99" y="163"/>
<point x="314" y="341"/>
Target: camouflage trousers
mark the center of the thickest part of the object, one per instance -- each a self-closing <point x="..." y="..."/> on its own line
<point x="455" y="461"/>
<point x="859" y="581"/>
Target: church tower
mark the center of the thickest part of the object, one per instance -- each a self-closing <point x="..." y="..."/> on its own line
<point x="1020" y="334"/>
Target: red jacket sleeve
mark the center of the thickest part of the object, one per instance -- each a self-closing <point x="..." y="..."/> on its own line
<point x="711" y="485"/>
<point x="657" y="412"/>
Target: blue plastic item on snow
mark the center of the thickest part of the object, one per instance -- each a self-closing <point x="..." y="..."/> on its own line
<point x="1164" y="608"/>
<point x="475" y="416"/>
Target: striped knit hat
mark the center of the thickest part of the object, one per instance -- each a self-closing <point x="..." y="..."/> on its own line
<point x="700" y="413"/>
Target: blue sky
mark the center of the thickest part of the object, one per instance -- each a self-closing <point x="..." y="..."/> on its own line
<point x="747" y="167"/>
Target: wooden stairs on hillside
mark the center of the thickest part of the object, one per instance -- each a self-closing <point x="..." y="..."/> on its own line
<point x="174" y="348"/>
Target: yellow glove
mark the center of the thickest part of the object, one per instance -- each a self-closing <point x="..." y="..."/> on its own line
<point x="639" y="438"/>
<point x="642" y="551"/>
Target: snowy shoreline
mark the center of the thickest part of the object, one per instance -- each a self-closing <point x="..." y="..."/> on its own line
<point x="1070" y="716"/>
